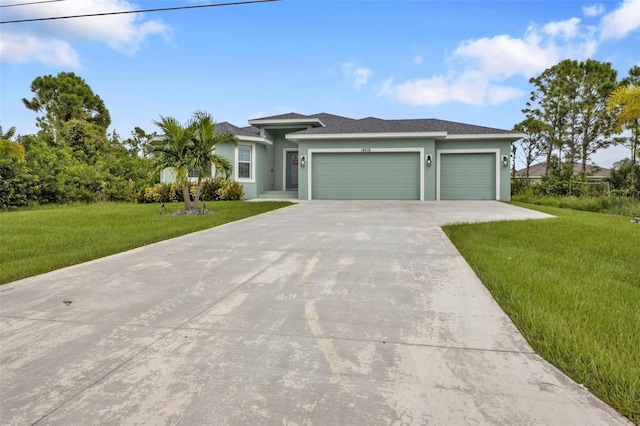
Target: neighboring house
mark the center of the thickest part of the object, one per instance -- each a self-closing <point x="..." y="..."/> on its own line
<point x="325" y="156"/>
<point x="536" y="171"/>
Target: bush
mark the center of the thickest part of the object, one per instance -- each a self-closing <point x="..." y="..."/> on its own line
<point x="161" y="193"/>
<point x="518" y="186"/>
<point x="212" y="190"/>
<point x="614" y="205"/>
<point x="230" y="190"/>
<point x="16" y="185"/>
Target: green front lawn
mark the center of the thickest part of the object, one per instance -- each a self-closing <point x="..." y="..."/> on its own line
<point x="41" y="240"/>
<point x="572" y="286"/>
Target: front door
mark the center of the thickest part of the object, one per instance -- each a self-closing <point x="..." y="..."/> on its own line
<point x="291" y="171"/>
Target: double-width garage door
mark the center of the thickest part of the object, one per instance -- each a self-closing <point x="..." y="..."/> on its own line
<point x="468" y="176"/>
<point x="366" y="176"/>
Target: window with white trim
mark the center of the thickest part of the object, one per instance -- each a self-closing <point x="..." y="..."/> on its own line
<point x="245" y="158"/>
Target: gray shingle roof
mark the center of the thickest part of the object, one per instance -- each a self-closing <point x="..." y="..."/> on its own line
<point x="287" y="116"/>
<point x="227" y="127"/>
<point x="365" y="125"/>
<point x="336" y="124"/>
<point x="332" y="119"/>
<point x="452" y="127"/>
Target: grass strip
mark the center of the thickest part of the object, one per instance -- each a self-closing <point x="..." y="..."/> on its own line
<point x="48" y="238"/>
<point x="572" y="287"/>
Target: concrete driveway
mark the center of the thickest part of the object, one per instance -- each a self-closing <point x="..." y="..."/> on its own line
<point x="325" y="313"/>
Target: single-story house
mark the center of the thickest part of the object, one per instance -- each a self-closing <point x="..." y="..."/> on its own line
<point x="536" y="171"/>
<point x="325" y="156"/>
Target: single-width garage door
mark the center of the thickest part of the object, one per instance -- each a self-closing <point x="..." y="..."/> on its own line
<point x="365" y="176"/>
<point x="468" y="176"/>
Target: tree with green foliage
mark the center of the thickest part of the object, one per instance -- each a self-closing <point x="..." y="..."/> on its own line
<point x="533" y="144"/>
<point x="11" y="150"/>
<point x="625" y="177"/>
<point x="87" y="140"/>
<point x="204" y="139"/>
<point x="63" y="98"/>
<point x="595" y="123"/>
<point x="13" y="186"/>
<point x="570" y="98"/>
<point x="175" y="153"/>
<point x="548" y="105"/>
<point x="190" y="147"/>
<point x="9" y="135"/>
<point x="625" y="103"/>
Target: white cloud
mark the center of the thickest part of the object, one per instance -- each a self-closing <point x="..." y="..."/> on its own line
<point x="591" y="11"/>
<point x="621" y="21"/>
<point x="480" y="67"/>
<point x="502" y="56"/>
<point x="418" y="59"/>
<point x="124" y="33"/>
<point x="467" y="89"/>
<point x="359" y="76"/>
<point x="25" y="48"/>
<point x="362" y="76"/>
<point x="568" y="28"/>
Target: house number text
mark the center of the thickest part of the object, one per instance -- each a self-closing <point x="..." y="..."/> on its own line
<point x="365" y="150"/>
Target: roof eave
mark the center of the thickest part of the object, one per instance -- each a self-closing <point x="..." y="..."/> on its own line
<point x="256" y="139"/>
<point x="314" y="122"/>
<point x="509" y="136"/>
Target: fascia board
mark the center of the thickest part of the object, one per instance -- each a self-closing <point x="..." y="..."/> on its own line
<point x="284" y="121"/>
<point x="256" y="139"/>
<point x="510" y="136"/>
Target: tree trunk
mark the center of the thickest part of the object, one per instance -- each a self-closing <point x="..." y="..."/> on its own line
<point x="186" y="196"/>
<point x="634" y="150"/>
<point x="549" y="153"/>
<point x="196" y="199"/>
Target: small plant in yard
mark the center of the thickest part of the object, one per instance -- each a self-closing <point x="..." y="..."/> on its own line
<point x="571" y="284"/>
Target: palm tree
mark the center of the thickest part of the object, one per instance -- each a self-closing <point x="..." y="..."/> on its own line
<point x="176" y="153"/>
<point x="626" y="101"/>
<point x="204" y="140"/>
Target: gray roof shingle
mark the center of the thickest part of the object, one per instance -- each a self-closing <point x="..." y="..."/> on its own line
<point x="538" y="170"/>
<point x="287" y="116"/>
<point x="364" y="125"/>
<point x="227" y="127"/>
<point x="336" y="124"/>
<point x="452" y="127"/>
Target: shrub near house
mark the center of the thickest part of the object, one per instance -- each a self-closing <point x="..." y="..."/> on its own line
<point x="212" y="190"/>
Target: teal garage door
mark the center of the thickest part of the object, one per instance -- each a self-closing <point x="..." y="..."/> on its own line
<point x="366" y="176"/>
<point x="468" y="176"/>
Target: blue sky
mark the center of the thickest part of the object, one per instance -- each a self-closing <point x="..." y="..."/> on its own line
<point x="466" y="61"/>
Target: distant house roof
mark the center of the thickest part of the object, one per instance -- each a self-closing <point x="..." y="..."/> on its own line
<point x="536" y="171"/>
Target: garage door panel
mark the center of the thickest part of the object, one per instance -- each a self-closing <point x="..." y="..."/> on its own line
<point x="366" y="176"/>
<point x="468" y="176"/>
